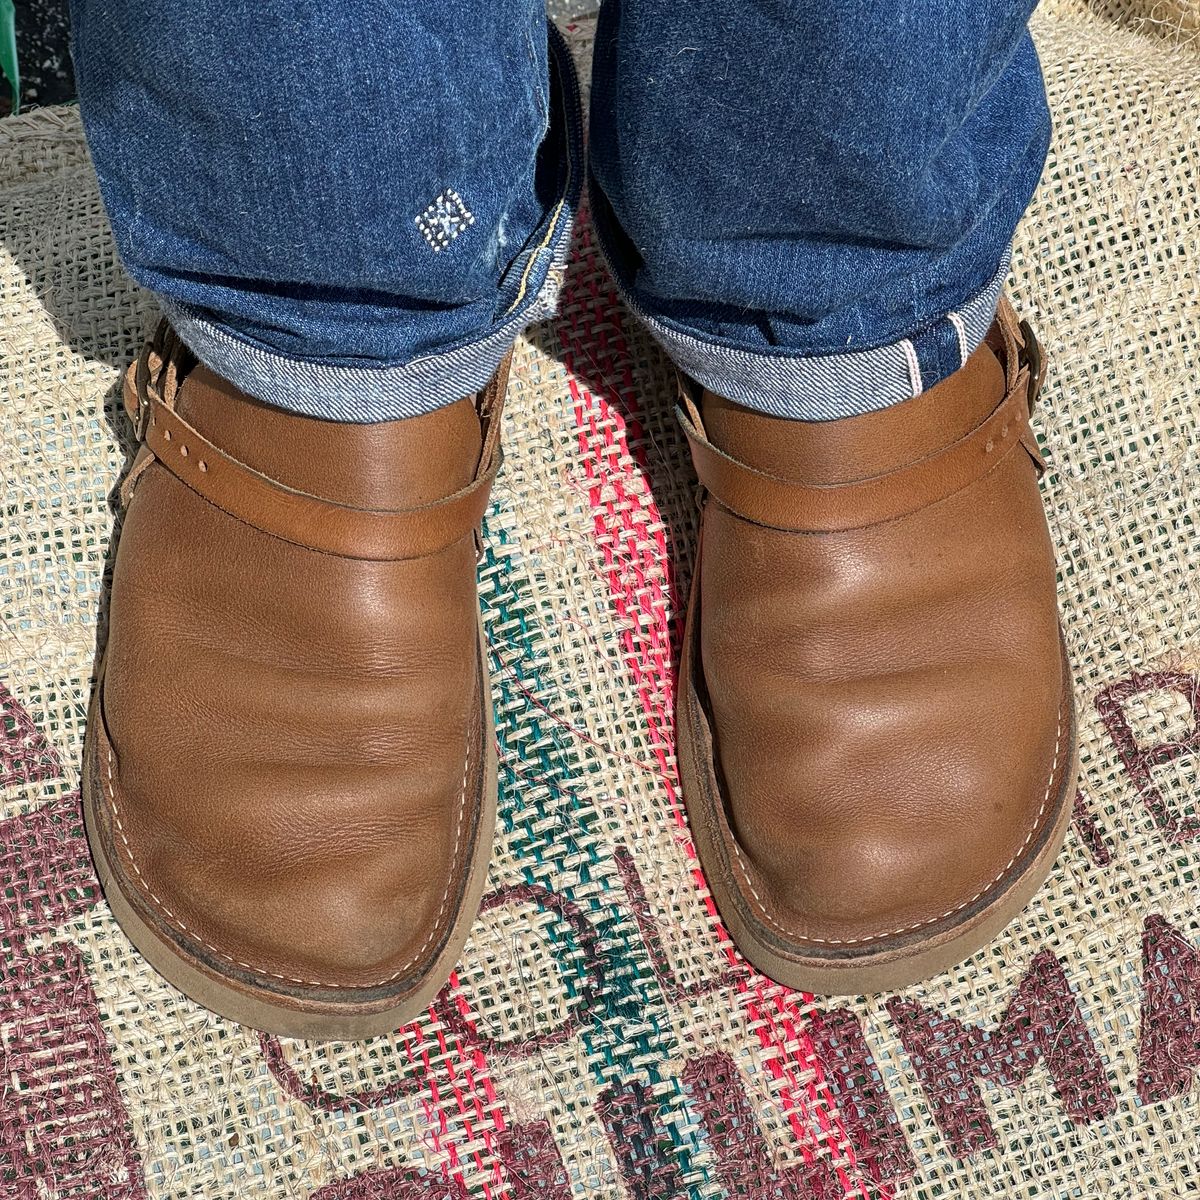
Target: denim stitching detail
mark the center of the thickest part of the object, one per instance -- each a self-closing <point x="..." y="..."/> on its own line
<point x="444" y="219"/>
<point x="960" y="328"/>
<point x="914" y="367"/>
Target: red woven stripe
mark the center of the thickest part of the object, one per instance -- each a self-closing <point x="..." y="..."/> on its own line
<point x="640" y="573"/>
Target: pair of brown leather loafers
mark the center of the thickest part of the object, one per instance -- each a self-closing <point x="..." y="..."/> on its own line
<point x="290" y="780"/>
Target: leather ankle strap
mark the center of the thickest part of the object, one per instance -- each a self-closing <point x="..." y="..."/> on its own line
<point x="287" y="513"/>
<point x="796" y="507"/>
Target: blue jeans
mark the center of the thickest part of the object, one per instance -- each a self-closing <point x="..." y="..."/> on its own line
<point x="351" y="209"/>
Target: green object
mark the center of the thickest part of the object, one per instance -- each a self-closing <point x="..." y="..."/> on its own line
<point x="8" y="51"/>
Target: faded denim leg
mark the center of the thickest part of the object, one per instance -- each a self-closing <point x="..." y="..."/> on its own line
<point x="810" y="204"/>
<point x="350" y="210"/>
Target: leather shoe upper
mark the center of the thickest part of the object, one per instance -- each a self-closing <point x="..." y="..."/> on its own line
<point x="292" y="745"/>
<point x="878" y="649"/>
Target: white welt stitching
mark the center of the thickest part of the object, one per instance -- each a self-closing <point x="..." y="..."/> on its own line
<point x="166" y="912"/>
<point x="791" y="935"/>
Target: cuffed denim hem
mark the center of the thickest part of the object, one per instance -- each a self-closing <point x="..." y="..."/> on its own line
<point x="828" y="386"/>
<point x="386" y="392"/>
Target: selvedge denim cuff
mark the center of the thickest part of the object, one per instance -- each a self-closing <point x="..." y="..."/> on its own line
<point x="365" y="393"/>
<point x="825" y="387"/>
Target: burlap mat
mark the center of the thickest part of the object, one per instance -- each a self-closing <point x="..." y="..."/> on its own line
<point x="601" y="1039"/>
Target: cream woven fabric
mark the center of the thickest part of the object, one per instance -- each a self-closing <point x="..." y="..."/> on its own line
<point x="601" y="1039"/>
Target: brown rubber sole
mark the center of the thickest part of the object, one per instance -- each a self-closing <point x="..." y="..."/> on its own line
<point x="259" y="1008"/>
<point x="891" y="965"/>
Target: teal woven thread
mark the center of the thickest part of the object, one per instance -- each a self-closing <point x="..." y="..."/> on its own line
<point x="628" y="1036"/>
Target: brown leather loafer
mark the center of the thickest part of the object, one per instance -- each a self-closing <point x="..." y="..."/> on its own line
<point x="876" y="723"/>
<point x="290" y="780"/>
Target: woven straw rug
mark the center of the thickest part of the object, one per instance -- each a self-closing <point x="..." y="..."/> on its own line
<point x="601" y="1038"/>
